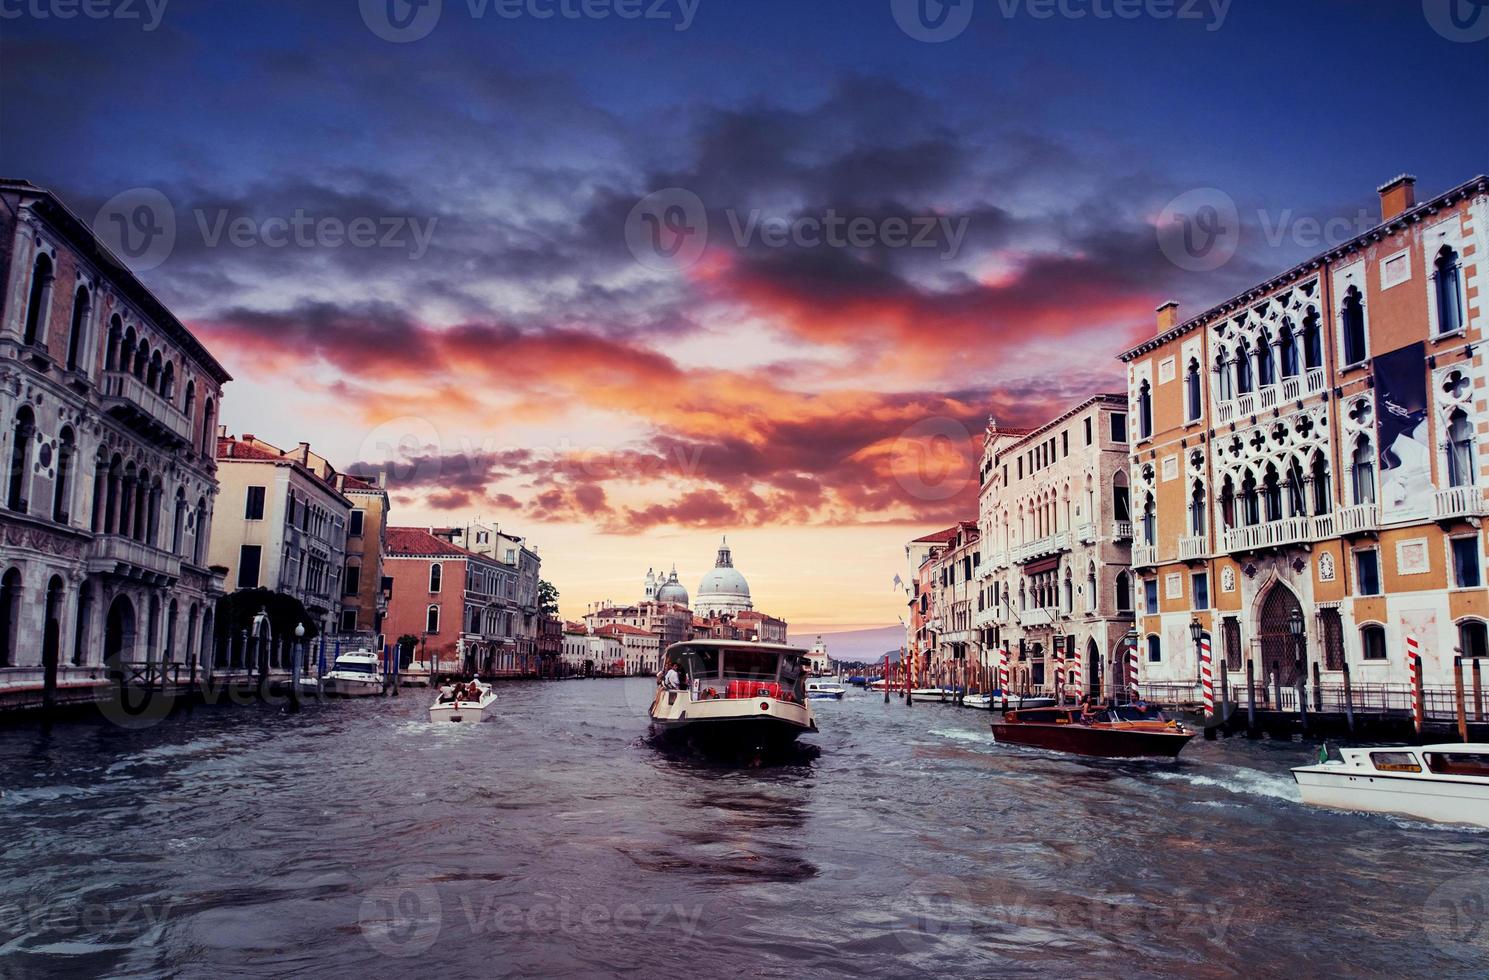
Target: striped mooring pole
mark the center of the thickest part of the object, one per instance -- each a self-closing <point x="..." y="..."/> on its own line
<point x="1418" y="695"/>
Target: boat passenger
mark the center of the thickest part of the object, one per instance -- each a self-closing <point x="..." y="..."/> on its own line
<point x="671" y="680"/>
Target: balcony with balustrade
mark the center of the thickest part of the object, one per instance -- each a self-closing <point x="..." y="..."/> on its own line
<point x="1049" y="545"/>
<point x="1273" y="534"/>
<point x="1121" y="530"/>
<point x="1193" y="547"/>
<point x="1085" y="533"/>
<point x="115" y="554"/>
<point x="131" y="401"/>
<point x="1144" y="555"/>
<point x="1457" y="502"/>
<point x="1295" y="388"/>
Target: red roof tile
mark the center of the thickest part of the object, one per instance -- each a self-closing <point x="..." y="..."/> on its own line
<point x="418" y="542"/>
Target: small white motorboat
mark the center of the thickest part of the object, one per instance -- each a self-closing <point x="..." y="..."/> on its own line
<point x="416" y="674"/>
<point x="977" y="700"/>
<point x="463" y="702"/>
<point x="825" y="689"/>
<point x="1446" y="783"/>
<point x="933" y="694"/>
<point x="354" y="675"/>
<point x="1016" y="702"/>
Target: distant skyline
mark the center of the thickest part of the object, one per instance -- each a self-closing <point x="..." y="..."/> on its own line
<point x="624" y="285"/>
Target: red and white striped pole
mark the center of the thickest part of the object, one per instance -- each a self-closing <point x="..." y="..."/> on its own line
<point x="1003" y="671"/>
<point x="1206" y="675"/>
<point x="1418" y="695"/>
<point x="1059" y="671"/>
<point x="1074" y="677"/>
<point x="1132" y="688"/>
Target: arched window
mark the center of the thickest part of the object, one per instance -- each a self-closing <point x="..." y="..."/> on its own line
<point x="1069" y="604"/>
<point x="436" y="573"/>
<point x="199" y="526"/>
<point x="1460" y="450"/>
<point x="116" y="337"/>
<point x="1473" y="639"/>
<point x="1297" y="500"/>
<point x="1447" y="284"/>
<point x="62" y="489"/>
<point x="1155" y="649"/>
<point x="152" y="372"/>
<point x="1243" y="367"/>
<point x="1323" y="499"/>
<point x="1192" y="390"/>
<point x="1250" y="503"/>
<point x="1362" y="466"/>
<point x="431" y="619"/>
<point x="1197" y="509"/>
<point x="1150" y="521"/>
<point x="1313" y="346"/>
<point x="190" y="404"/>
<point x="178" y="527"/>
<point x="1144" y="410"/>
<point x="1121" y="497"/>
<point x="1228" y="503"/>
<point x="75" y="337"/>
<point x="1287" y="351"/>
<point x="126" y="350"/>
<point x="168" y="381"/>
<point x="1224" y="388"/>
<point x="10" y="616"/>
<point x="20" y="460"/>
<point x="209" y="430"/>
<point x="39" y="299"/>
<point x="1272" y="494"/>
<point x="1352" y="322"/>
<point x="141" y="359"/>
<point x="1266" y="375"/>
<point x="1372" y="642"/>
<point x="1091" y="587"/>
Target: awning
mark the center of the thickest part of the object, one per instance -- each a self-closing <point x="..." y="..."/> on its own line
<point x="1042" y="565"/>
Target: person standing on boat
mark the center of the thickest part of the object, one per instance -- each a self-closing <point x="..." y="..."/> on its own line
<point x="670" y="680"/>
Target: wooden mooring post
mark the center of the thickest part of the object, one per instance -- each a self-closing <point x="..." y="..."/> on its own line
<point x="1250" y="698"/>
<point x="1458" y="699"/>
<point x="1478" y="692"/>
<point x="1349" y="700"/>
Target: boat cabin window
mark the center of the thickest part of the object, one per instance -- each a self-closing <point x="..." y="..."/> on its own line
<point x="1459" y="763"/>
<point x="1394" y="762"/>
<point x="751" y="664"/>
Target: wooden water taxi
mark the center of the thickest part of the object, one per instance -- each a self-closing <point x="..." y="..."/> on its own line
<point x="1444" y="783"/>
<point x="1113" y="731"/>
<point x="734" y="695"/>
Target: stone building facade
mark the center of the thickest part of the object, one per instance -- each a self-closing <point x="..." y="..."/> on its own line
<point x="108" y="408"/>
<point x="1054" y="581"/>
<point x="1318" y="447"/>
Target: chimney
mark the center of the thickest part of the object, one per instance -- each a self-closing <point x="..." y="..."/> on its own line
<point x="1397" y="196"/>
<point x="1168" y="316"/>
<point x="248" y="437"/>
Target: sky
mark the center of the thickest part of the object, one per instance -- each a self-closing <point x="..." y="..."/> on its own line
<point x="626" y="276"/>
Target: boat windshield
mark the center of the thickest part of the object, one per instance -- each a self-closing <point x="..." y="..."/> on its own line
<point x="1459" y="763"/>
<point x="752" y="665"/>
<point x="1137" y="712"/>
<point x="354" y="667"/>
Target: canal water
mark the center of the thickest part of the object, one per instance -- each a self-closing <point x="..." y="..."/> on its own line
<point x="354" y="840"/>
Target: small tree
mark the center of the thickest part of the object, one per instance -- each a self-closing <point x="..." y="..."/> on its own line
<point x="406" y="646"/>
<point x="547" y="598"/>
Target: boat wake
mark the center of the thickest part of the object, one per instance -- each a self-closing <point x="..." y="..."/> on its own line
<point x="1237" y="780"/>
<point x="963" y="735"/>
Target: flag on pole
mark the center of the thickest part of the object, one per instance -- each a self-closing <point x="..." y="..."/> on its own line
<point x="899" y="583"/>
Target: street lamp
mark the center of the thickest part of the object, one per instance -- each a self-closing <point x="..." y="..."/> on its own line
<point x="296" y="658"/>
<point x="1295" y="627"/>
<point x="1196" y="630"/>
